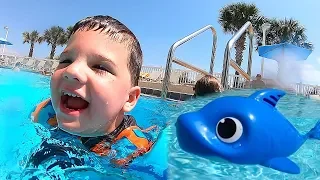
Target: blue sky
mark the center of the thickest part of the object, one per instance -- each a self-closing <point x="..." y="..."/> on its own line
<point x="158" y="24"/>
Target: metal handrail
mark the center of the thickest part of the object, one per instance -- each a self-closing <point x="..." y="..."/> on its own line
<point x="189" y="66"/>
<point x="166" y="79"/>
<point x="226" y="60"/>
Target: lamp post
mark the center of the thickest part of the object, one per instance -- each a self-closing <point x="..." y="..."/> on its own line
<point x="264" y="27"/>
<point x="7" y="31"/>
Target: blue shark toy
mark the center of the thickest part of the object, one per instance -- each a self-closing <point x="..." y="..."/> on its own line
<point x="244" y="130"/>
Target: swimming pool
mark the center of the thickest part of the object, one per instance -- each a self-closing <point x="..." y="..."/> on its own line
<point x="21" y="91"/>
<point x="303" y="113"/>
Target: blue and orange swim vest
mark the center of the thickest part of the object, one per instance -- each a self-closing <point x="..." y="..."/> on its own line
<point x="128" y="139"/>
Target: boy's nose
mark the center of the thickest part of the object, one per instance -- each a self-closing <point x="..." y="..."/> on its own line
<point x="74" y="74"/>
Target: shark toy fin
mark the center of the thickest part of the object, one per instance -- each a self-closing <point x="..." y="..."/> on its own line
<point x="268" y="96"/>
<point x="314" y="133"/>
<point x="282" y="164"/>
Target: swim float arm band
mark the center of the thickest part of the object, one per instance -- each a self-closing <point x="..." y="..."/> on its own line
<point x="35" y="113"/>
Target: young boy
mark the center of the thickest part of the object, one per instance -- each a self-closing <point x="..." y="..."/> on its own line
<point x="207" y="85"/>
<point x="95" y="84"/>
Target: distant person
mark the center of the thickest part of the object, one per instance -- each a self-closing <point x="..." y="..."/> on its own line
<point x="207" y="85"/>
<point x="258" y="83"/>
<point x="247" y="84"/>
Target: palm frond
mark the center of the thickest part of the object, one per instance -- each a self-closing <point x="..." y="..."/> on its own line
<point x="232" y="17"/>
<point x="285" y="30"/>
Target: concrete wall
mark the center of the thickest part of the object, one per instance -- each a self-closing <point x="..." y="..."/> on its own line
<point x="176" y="92"/>
<point x="187" y="89"/>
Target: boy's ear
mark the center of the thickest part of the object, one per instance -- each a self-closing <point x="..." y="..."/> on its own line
<point x="134" y="95"/>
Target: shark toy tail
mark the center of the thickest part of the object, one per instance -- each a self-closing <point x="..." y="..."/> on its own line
<point x="314" y="133"/>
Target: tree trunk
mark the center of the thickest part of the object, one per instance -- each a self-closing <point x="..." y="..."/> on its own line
<point x="31" y="50"/>
<point x="53" y="51"/>
<point x="240" y="47"/>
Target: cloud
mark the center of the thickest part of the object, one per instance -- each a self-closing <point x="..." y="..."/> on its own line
<point x="318" y="60"/>
<point x="310" y="74"/>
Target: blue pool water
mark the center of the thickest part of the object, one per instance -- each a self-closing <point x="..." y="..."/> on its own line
<point x="22" y="91"/>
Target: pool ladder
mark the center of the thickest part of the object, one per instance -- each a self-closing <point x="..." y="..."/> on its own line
<point x="226" y="62"/>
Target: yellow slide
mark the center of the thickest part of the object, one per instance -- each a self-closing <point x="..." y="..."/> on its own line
<point x="241" y="71"/>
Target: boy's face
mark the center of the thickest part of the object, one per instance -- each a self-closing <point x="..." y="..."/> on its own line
<point x="91" y="88"/>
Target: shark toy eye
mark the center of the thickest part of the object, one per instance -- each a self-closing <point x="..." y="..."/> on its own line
<point x="229" y="129"/>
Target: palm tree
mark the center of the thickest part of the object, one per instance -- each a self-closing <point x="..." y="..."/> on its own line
<point x="55" y="36"/>
<point x="286" y="30"/>
<point x="32" y="38"/>
<point x="69" y="31"/>
<point x="232" y="17"/>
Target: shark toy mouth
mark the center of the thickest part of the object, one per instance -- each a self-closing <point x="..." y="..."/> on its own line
<point x="188" y="138"/>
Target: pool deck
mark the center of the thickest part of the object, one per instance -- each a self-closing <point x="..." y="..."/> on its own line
<point x="175" y="92"/>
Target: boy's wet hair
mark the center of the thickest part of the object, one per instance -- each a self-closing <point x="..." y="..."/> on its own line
<point x="119" y="33"/>
<point x="207" y="85"/>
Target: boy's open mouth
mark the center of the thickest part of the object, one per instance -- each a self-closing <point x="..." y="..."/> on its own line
<point x="73" y="102"/>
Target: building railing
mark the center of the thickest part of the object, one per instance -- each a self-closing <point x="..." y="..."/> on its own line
<point x="44" y="66"/>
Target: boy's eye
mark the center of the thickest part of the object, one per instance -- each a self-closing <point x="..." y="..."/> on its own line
<point x="100" y="69"/>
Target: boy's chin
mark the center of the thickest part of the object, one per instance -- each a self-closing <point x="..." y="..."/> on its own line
<point x="73" y="129"/>
<point x="69" y="126"/>
<point x="70" y="130"/>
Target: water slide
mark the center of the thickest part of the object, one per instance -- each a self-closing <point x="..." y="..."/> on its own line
<point x="239" y="69"/>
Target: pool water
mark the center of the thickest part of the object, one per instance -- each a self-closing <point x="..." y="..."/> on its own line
<point x="22" y="91"/>
<point x="302" y="112"/>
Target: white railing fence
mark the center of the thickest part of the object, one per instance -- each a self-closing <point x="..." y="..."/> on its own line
<point x="188" y="77"/>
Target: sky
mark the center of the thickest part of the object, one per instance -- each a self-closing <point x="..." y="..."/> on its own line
<point x="159" y="24"/>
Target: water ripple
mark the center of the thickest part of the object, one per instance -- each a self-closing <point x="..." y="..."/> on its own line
<point x="300" y="111"/>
